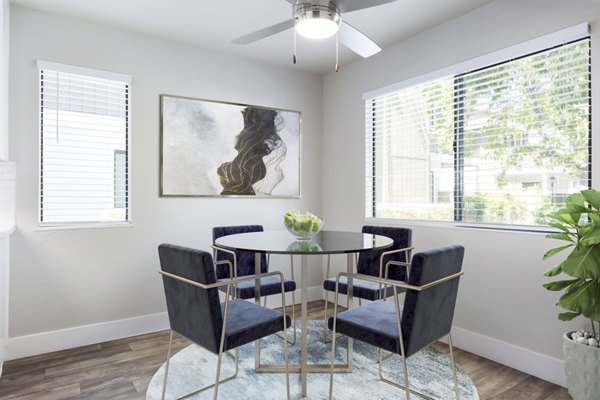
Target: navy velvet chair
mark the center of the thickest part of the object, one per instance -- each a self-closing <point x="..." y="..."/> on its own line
<point x="196" y="312"/>
<point x="242" y="263"/>
<point x="425" y="316"/>
<point x="391" y="263"/>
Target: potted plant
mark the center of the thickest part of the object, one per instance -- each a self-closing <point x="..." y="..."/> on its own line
<point x="578" y="223"/>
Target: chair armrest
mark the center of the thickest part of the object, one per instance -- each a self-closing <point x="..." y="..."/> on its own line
<point x="394" y="263"/>
<point x="405" y="250"/>
<point x="217" y="249"/>
<point x="228" y="263"/>
<point x="396" y="284"/>
<point x="229" y="283"/>
<point x="224" y="282"/>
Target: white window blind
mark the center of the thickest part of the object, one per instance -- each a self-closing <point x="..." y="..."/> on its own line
<point x="84" y="146"/>
<point x="504" y="144"/>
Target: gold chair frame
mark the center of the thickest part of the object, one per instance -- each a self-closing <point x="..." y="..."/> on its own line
<point x="234" y="274"/>
<point x="406" y="264"/>
<point x="396" y="285"/>
<point x="229" y="283"/>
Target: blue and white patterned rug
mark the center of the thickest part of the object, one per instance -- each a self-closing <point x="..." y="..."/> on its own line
<point x="194" y="367"/>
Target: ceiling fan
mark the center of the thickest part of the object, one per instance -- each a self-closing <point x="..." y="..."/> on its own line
<point x="319" y="19"/>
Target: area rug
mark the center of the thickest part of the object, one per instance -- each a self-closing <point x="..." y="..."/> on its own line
<point x="193" y="367"/>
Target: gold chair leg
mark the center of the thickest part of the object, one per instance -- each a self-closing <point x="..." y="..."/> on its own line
<point x="333" y="345"/>
<point x="293" y="342"/>
<point x="236" y="360"/>
<point x="279" y="335"/>
<point x="406" y="386"/>
<point x="326" y="295"/>
<point x="167" y="365"/>
<point x="285" y="350"/>
<point x="216" y="384"/>
<point x="453" y="367"/>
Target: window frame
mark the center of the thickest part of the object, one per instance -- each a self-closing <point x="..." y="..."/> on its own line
<point x="530" y="48"/>
<point x="94" y="73"/>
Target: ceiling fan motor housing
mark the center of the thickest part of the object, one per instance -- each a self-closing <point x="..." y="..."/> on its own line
<point x="310" y="12"/>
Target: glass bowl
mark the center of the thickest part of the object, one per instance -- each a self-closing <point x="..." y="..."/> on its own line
<point x="304" y="234"/>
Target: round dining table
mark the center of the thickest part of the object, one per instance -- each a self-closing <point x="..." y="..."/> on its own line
<point x="322" y="243"/>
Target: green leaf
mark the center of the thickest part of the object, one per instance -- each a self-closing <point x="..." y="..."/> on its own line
<point x="579" y="298"/>
<point x="559" y="226"/>
<point x="573" y="209"/>
<point x="568" y="316"/>
<point x="583" y="262"/>
<point x="569" y="219"/>
<point x="557" y="269"/>
<point x="560" y="236"/>
<point x="576" y="199"/>
<point x="592" y="197"/>
<point x="559" y="285"/>
<point x="555" y="250"/>
<point x="593" y="311"/>
<point x="591" y="236"/>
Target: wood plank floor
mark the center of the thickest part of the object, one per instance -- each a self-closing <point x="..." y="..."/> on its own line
<point x="122" y="369"/>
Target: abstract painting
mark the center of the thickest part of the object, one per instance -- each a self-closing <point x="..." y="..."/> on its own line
<point x="211" y="148"/>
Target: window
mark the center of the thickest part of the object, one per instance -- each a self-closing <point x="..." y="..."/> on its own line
<point x="504" y="144"/>
<point x="84" y="146"/>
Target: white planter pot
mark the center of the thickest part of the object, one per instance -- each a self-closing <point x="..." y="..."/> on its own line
<point x="582" y="366"/>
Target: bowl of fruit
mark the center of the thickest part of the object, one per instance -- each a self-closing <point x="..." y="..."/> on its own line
<point x="302" y="226"/>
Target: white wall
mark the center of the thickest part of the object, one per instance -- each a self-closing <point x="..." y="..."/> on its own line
<point x="4" y="61"/>
<point x="503" y="312"/>
<point x="63" y="279"/>
<point x="4" y="270"/>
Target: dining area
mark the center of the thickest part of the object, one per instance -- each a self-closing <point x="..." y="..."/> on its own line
<point x="372" y="335"/>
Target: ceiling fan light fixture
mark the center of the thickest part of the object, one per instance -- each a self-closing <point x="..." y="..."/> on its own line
<point x="316" y="21"/>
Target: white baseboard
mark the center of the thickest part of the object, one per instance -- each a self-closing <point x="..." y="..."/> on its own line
<point x="525" y="360"/>
<point x="539" y="365"/>
<point x="47" y="342"/>
<point x="522" y="359"/>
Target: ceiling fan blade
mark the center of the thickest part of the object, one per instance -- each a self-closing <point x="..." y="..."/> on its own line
<point x="353" y="5"/>
<point x="356" y="41"/>
<point x="263" y="33"/>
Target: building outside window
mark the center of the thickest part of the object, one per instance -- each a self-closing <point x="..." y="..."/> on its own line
<point x="84" y="146"/>
<point x="502" y="144"/>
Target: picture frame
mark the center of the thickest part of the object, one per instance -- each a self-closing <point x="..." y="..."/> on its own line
<point x="220" y="149"/>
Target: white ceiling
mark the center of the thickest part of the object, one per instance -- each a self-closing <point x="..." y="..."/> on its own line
<point x="213" y="24"/>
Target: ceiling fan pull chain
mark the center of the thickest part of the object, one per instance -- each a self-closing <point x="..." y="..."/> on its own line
<point x="337" y="45"/>
<point x="294" y="58"/>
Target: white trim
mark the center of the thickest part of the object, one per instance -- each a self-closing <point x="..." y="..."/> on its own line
<point x="525" y="229"/>
<point x="533" y="363"/>
<point x="74" y="69"/>
<point x="542" y="42"/>
<point x="91" y="225"/>
<point x="46" y="342"/>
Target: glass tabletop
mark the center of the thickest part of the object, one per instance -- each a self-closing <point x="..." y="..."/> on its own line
<point x="324" y="242"/>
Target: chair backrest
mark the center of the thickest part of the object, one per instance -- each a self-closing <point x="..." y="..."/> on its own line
<point x="245" y="259"/>
<point x="428" y="314"/>
<point x="193" y="312"/>
<point x="368" y="261"/>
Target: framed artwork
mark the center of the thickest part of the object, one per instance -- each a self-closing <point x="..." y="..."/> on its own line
<point x="212" y="148"/>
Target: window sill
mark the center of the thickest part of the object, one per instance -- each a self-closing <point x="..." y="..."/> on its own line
<point x="99" y="225"/>
<point x="520" y="229"/>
